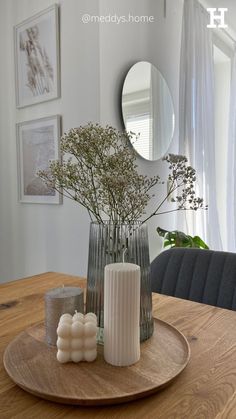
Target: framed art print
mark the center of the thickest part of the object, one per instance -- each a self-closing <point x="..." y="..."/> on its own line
<point x="37" y="58"/>
<point x="37" y="144"/>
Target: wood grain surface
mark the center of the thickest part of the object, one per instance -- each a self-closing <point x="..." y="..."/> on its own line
<point x="31" y="363"/>
<point x="205" y="389"/>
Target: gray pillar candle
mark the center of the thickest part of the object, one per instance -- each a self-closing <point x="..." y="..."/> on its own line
<point x="57" y="302"/>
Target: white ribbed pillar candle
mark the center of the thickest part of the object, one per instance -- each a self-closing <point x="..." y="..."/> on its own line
<point x="121" y="314"/>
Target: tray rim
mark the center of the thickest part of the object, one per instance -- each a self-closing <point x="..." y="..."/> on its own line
<point x="104" y="401"/>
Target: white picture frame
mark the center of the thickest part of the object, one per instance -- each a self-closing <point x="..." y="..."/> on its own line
<point x="37" y="144"/>
<point x="36" y="45"/>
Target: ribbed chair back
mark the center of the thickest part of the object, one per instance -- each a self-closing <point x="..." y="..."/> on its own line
<point x="205" y="276"/>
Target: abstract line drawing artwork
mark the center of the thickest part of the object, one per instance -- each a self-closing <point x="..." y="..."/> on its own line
<point x="37" y="145"/>
<point x="37" y="58"/>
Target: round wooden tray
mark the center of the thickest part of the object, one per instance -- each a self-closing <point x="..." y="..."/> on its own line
<point x="32" y="364"/>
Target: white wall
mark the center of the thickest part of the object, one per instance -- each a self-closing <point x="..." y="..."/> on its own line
<point x="37" y="238"/>
<point x="94" y="61"/>
<point x="123" y="45"/>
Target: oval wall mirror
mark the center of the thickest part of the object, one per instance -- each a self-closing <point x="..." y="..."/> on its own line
<point x="148" y="110"/>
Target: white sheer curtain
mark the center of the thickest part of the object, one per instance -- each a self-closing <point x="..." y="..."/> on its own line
<point x="231" y="163"/>
<point x="196" y="136"/>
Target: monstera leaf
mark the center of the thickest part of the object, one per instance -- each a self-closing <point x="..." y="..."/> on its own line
<point x="179" y="239"/>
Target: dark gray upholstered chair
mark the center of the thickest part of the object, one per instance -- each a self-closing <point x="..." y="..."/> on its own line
<point x="205" y="276"/>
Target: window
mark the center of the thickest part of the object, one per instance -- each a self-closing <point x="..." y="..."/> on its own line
<point x="142" y="125"/>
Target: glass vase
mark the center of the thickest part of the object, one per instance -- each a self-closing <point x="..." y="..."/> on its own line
<point x="110" y="243"/>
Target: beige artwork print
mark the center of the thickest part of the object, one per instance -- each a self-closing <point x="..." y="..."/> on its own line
<point x="39" y="70"/>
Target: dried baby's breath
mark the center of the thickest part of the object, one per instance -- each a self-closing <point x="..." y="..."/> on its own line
<point x="99" y="171"/>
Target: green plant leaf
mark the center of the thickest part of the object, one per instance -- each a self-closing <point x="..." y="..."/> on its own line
<point x="200" y="243"/>
<point x="166" y="243"/>
<point x="180" y="239"/>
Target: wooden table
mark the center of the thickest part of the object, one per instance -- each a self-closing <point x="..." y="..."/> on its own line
<point x="206" y="388"/>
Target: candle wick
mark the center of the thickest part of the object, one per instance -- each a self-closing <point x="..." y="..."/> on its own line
<point x="124" y="252"/>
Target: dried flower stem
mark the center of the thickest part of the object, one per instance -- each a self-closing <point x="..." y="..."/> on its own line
<point x="100" y="173"/>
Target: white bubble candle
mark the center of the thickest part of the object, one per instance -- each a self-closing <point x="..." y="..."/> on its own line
<point x="77" y="338"/>
<point x="121" y="314"/>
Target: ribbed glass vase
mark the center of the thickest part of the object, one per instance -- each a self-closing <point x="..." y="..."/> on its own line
<point x="110" y="243"/>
